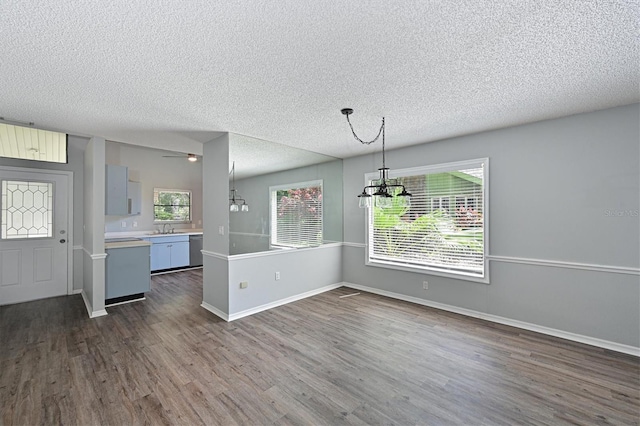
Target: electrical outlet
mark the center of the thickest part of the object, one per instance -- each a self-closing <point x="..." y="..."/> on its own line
<point x="135" y="224"/>
<point x="221" y="229"/>
<point x="425" y="285"/>
<point x="123" y="224"/>
<point x="244" y="284"/>
<point x="277" y="276"/>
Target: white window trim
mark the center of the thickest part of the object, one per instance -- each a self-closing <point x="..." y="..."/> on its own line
<point x="438" y="168"/>
<point x="305" y="184"/>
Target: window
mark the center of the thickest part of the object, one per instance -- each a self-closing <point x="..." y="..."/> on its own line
<point x="171" y="205"/>
<point x="27" y="209"/>
<point x="296" y="214"/>
<point x="27" y="143"/>
<point x="443" y="231"/>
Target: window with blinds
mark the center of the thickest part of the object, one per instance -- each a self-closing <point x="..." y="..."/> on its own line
<point x="296" y="214"/>
<point x="443" y="230"/>
<point x="27" y="143"/>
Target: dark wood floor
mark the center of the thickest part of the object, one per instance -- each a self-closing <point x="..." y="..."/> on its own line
<point x="364" y="359"/>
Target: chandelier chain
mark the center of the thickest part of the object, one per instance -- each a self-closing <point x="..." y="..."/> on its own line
<point x="360" y="140"/>
<point x="385" y="187"/>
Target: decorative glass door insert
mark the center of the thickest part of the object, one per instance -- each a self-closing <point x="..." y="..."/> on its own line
<point x="27" y="209"/>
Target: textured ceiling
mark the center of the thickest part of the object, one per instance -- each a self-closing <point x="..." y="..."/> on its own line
<point x="171" y="74"/>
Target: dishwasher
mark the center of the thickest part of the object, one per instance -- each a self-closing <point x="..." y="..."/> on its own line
<point x="195" y="245"/>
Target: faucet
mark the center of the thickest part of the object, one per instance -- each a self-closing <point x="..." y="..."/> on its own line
<point x="164" y="230"/>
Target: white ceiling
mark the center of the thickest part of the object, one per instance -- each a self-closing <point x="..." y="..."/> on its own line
<point x="172" y="74"/>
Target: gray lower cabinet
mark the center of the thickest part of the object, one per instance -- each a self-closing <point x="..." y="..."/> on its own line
<point x="127" y="271"/>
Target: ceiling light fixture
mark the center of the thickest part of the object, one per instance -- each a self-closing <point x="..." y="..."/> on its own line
<point x="190" y="157"/>
<point x="233" y="201"/>
<point x="383" y="187"/>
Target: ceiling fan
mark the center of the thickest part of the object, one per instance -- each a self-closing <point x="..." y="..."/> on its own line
<point x="190" y="157"/>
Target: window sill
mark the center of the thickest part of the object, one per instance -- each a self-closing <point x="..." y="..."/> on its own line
<point x="429" y="271"/>
<point x="161" y="222"/>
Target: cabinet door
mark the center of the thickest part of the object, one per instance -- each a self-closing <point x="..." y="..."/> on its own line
<point x="127" y="271"/>
<point x="179" y="254"/>
<point x="160" y="256"/>
<point x="116" y="201"/>
<point x="135" y="196"/>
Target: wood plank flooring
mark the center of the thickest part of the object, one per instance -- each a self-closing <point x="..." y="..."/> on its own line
<point x="325" y="360"/>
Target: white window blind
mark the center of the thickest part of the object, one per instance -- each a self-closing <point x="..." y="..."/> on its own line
<point x="296" y="214"/>
<point x="443" y="231"/>
<point x="27" y="143"/>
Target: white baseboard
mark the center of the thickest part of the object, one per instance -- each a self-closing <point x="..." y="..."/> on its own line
<point x="77" y="291"/>
<point x="90" y="311"/>
<point x="215" y="311"/>
<point x="270" y="305"/>
<point x="605" y="344"/>
<point x="284" y="301"/>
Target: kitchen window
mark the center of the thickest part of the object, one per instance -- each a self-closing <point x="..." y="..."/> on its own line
<point x="296" y="214"/>
<point x="171" y="206"/>
<point x="444" y="231"/>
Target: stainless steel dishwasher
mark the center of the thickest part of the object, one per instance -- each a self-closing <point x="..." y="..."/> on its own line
<point x="195" y="245"/>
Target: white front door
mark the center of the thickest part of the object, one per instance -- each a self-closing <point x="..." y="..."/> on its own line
<point x="33" y="235"/>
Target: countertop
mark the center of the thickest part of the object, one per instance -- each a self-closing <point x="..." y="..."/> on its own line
<point x="191" y="232"/>
<point x="125" y="244"/>
<point x="150" y="234"/>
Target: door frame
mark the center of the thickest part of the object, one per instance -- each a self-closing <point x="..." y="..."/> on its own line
<point x="70" y="236"/>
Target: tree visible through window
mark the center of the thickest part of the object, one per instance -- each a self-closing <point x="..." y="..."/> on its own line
<point x="171" y="205"/>
<point x="443" y="231"/>
<point x="296" y="214"/>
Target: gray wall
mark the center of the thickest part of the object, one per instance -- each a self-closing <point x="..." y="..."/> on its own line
<point x="564" y="190"/>
<point x="256" y="191"/>
<point x="152" y="170"/>
<point x="75" y="155"/>
<point x="301" y="271"/>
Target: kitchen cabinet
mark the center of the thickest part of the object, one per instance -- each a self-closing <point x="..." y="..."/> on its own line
<point x="122" y="197"/>
<point x="169" y="251"/>
<point x="127" y="271"/>
<point x="134" y="194"/>
<point x="116" y="199"/>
